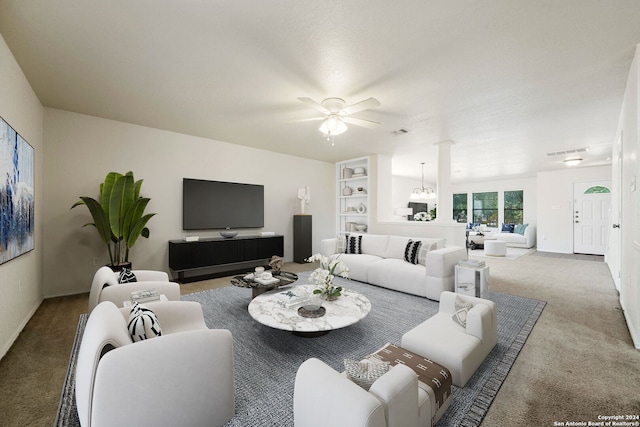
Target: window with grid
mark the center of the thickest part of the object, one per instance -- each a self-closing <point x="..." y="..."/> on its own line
<point x="513" y="207"/>
<point x="460" y="207"/>
<point x="485" y="208"/>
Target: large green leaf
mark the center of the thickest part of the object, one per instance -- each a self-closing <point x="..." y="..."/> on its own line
<point x="99" y="217"/>
<point x="137" y="229"/>
<point x="105" y="189"/>
<point x="133" y="215"/>
<point x="120" y="201"/>
<point x="138" y="187"/>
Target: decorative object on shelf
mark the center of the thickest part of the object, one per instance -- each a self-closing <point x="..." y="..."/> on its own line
<point x="422" y="216"/>
<point x="323" y="276"/>
<point x="361" y="208"/>
<point x="17" y="194"/>
<point x="361" y="227"/>
<point x="347" y="191"/>
<point x="227" y="234"/>
<point x="304" y="194"/>
<point x="422" y="192"/>
<point x="336" y="115"/>
<point x="276" y="264"/>
<point x="359" y="172"/>
<point x="347" y="173"/>
<point x="118" y="216"/>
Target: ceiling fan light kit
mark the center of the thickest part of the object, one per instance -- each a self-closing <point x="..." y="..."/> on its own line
<point x="333" y="125"/>
<point x="336" y="115"/>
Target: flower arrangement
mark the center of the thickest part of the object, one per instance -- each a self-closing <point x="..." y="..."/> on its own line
<point x="323" y="276"/>
<point x="422" y="216"/>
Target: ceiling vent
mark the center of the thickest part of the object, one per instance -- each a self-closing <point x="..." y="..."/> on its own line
<point x="400" y="131"/>
<point x="570" y="151"/>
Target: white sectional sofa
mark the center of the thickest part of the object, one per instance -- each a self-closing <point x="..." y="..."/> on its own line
<point x="381" y="262"/>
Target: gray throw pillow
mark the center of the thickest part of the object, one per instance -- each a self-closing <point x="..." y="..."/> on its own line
<point x="462" y="309"/>
<point x="365" y="373"/>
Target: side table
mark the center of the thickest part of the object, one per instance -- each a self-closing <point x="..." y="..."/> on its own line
<point x="245" y="281"/>
<point x="472" y="281"/>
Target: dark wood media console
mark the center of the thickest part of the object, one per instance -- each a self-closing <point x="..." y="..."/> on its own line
<point x="215" y="256"/>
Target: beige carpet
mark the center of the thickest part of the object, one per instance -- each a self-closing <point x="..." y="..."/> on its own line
<point x="578" y="362"/>
<point x="512" y="253"/>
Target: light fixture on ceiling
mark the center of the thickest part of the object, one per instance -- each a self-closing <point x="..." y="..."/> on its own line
<point x="573" y="162"/>
<point x="333" y="125"/>
<point x="336" y="115"/>
<point x="422" y="193"/>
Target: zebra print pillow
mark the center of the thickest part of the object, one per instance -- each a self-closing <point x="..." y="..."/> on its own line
<point x="411" y="251"/>
<point x="143" y="323"/>
<point x="354" y="245"/>
<point x="126" y="276"/>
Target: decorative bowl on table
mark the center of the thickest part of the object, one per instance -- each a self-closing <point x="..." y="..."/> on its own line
<point x="228" y="234"/>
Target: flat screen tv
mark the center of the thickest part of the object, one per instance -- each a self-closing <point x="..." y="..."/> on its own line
<point x="219" y="205"/>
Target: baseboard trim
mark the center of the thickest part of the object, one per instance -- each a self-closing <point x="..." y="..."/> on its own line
<point x="5" y="349"/>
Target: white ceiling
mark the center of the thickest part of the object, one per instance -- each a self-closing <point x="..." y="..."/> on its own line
<point x="508" y="81"/>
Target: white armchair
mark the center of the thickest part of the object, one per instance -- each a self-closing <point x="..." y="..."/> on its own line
<point x="105" y="286"/>
<point x="184" y="377"/>
<point x="459" y="349"/>
<point x="323" y="397"/>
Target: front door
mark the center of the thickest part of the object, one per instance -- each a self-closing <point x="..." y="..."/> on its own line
<point x="591" y="208"/>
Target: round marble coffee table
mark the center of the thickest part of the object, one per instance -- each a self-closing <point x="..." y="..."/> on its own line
<point x="274" y="311"/>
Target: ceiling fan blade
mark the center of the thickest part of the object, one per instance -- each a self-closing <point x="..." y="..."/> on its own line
<point x="361" y="122"/>
<point x="362" y="105"/>
<point x="312" y="119"/>
<point x="315" y="105"/>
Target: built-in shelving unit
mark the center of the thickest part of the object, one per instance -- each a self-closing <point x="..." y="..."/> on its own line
<point x="352" y="192"/>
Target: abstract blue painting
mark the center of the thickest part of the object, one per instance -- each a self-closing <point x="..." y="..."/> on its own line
<point x="16" y="194"/>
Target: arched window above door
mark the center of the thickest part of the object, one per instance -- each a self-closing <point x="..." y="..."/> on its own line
<point x="597" y="189"/>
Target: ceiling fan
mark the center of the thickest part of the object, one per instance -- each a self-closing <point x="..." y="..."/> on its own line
<point x="336" y="115"/>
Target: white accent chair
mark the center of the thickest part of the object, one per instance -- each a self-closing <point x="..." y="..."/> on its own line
<point x="184" y="377"/>
<point x="105" y="286"/>
<point x="461" y="350"/>
<point x="324" y="397"/>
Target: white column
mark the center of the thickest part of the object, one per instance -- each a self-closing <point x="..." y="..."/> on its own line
<point x="445" y="196"/>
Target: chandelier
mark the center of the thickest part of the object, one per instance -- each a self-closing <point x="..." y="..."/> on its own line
<point x="422" y="193"/>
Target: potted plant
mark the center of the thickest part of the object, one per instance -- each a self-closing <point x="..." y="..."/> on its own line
<point x="323" y="276"/>
<point x="119" y="216"/>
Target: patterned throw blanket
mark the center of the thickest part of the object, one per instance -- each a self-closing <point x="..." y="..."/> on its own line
<point x="435" y="376"/>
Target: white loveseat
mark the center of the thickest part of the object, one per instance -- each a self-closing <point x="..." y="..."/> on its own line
<point x="382" y="263"/>
<point x="516" y="240"/>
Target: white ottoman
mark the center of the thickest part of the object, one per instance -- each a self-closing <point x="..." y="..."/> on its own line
<point x="495" y="248"/>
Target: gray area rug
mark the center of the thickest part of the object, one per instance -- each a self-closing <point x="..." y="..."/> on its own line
<point x="266" y="360"/>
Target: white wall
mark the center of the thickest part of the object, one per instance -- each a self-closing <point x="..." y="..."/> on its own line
<point x="21" y="277"/>
<point x="81" y="149"/>
<point x="628" y="236"/>
<point x="555" y="205"/>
